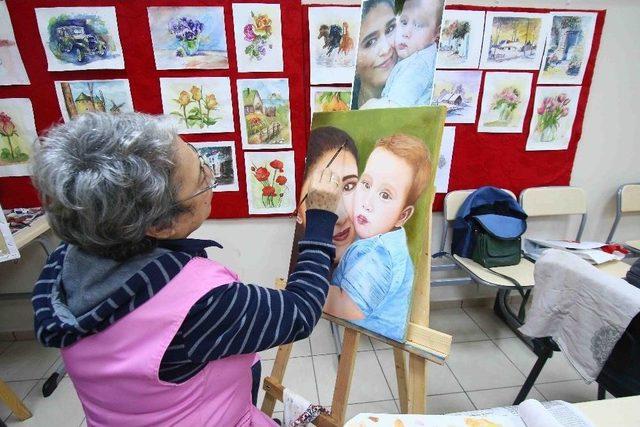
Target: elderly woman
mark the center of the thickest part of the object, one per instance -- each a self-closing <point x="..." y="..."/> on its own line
<point x="152" y="332"/>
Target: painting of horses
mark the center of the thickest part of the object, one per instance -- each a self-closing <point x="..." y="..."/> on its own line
<point x="80" y="38"/>
<point x="333" y="39"/>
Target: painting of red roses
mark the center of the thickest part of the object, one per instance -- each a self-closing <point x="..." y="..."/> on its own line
<point x="271" y="187"/>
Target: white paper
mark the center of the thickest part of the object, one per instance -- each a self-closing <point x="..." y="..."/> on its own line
<point x="588" y="251"/>
<point x="80" y="38"/>
<point x="329" y="99"/>
<point x="112" y="96"/>
<point x="8" y="248"/>
<point x="17" y="135"/>
<point x="405" y="420"/>
<point x="258" y="35"/>
<point x="333" y="42"/>
<point x="12" y="71"/>
<point x="460" y="39"/>
<point x="444" y="162"/>
<point x="198" y="104"/>
<point x="505" y="100"/>
<point x="222" y="159"/>
<point x="554" y="112"/>
<point x="533" y="414"/>
<point x="568" y="48"/>
<point x="270" y="190"/>
<point x="564" y="244"/>
<point x="513" y="40"/>
<point x="265" y="113"/>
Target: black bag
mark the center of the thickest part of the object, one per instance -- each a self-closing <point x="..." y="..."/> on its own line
<point x="633" y="275"/>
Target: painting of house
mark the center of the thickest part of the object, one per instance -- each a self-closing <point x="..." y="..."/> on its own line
<point x="458" y="91"/>
<point x="252" y="101"/>
<point x="81" y="96"/>
<point x="460" y="39"/>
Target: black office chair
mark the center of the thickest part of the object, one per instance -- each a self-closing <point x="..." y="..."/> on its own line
<point x="620" y="374"/>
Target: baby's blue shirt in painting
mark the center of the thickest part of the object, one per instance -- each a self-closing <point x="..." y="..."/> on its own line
<point x="411" y="80"/>
<point x="377" y="273"/>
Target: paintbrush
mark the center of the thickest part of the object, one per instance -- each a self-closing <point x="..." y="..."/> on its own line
<point x="325" y="168"/>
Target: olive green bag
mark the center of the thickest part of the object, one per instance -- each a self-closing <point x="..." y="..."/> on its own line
<point x="493" y="251"/>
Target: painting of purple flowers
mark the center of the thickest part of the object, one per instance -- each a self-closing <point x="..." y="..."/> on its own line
<point x="553" y="117"/>
<point x="258" y="37"/>
<point x="188" y="37"/>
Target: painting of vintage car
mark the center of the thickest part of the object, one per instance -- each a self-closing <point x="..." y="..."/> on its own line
<point x="73" y="39"/>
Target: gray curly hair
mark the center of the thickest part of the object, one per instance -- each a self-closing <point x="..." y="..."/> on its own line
<point x="104" y="179"/>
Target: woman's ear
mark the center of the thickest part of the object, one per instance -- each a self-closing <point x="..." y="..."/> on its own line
<point x="161" y="233"/>
<point x="405" y="215"/>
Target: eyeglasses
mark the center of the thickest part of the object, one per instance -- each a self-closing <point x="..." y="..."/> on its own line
<point x="207" y="170"/>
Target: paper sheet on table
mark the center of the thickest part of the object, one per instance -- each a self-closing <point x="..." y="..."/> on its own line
<point x="588" y="251"/>
<point x="565" y="244"/>
<point x="8" y="248"/>
<point x="404" y="420"/>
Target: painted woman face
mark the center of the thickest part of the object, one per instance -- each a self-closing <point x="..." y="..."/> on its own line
<point x="376" y="55"/>
<point x="346" y="167"/>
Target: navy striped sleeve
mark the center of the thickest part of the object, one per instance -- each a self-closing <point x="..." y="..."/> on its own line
<point x="242" y="318"/>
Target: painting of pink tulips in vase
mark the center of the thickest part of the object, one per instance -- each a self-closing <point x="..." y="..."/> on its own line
<point x="553" y="117"/>
<point x="17" y="135"/>
<point x="504" y="102"/>
<point x="271" y="187"/>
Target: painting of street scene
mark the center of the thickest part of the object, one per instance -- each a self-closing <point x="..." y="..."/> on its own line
<point x="265" y="111"/>
<point x="77" y="97"/>
<point x="460" y="39"/>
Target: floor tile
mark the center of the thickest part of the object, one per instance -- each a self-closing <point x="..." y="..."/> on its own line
<point x="481" y="365"/>
<point x="301" y="348"/>
<point x="379" y="345"/>
<point x="368" y="384"/>
<point x="455" y="322"/>
<point x="299" y="376"/>
<point x="496" y="397"/>
<point x="447" y="403"/>
<point x="5" y="345"/>
<point x="21" y="389"/>
<point x="322" y="341"/>
<point x="490" y="324"/>
<point x="83" y="423"/>
<point x="61" y="409"/>
<point x="556" y="369"/>
<point x="383" y="407"/>
<point x="440" y="380"/>
<point x="26" y="360"/>
<point x="569" y="391"/>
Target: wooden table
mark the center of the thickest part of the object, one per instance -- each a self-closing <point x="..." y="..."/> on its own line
<point x="622" y="412"/>
<point x="32" y="232"/>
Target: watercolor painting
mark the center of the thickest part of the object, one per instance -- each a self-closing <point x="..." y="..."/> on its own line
<point x="333" y="42"/>
<point x="78" y="96"/>
<point x="444" y="162"/>
<point x="188" y="37"/>
<point x="504" y="102"/>
<point x="12" y="71"/>
<point x="460" y="39"/>
<point x="80" y="38"/>
<point x="8" y="247"/>
<point x="265" y="113"/>
<point x="258" y="37"/>
<point x="386" y="162"/>
<point x="329" y="98"/>
<point x="458" y="91"/>
<point x="271" y="182"/>
<point x="554" y="112"/>
<point x="568" y="48"/>
<point x="198" y="104"/>
<point x="17" y="135"/>
<point x="514" y="41"/>
<point x="221" y="156"/>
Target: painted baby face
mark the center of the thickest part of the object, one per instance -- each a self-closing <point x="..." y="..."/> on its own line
<point x="381" y="194"/>
<point x="417" y="26"/>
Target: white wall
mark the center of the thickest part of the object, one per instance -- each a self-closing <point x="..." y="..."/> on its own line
<point x="608" y="155"/>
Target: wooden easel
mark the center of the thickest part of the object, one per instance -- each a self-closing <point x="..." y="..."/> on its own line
<point x="422" y="344"/>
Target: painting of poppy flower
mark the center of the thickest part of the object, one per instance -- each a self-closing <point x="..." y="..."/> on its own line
<point x="258" y="37"/>
<point x="271" y="187"/>
<point x="17" y="135"/>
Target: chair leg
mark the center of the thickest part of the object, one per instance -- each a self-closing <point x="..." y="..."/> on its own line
<point x="13" y="402"/>
<point x="533" y="376"/>
<point x="601" y="392"/>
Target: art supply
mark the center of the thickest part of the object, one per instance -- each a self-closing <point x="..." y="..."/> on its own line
<point x="325" y="168"/>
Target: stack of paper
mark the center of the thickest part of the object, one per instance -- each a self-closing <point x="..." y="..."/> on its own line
<point x="589" y="251"/>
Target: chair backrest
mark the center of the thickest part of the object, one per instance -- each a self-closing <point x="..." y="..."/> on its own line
<point x="555" y="201"/>
<point x="452" y="203"/>
<point x="627" y="201"/>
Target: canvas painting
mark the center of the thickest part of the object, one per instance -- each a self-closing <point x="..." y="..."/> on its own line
<point x="12" y="70"/>
<point x="17" y="135"/>
<point x="504" y="102"/>
<point x="568" y="48"/>
<point x="80" y="38"/>
<point x="271" y="182"/>
<point x="79" y="96"/>
<point x="460" y="39"/>
<point x="198" y="104"/>
<point x="554" y="112"/>
<point x="397" y="50"/>
<point x="458" y="91"/>
<point x="258" y="37"/>
<point x="384" y="160"/>
<point x="188" y="37"/>
<point x="514" y="41"/>
<point x="444" y="161"/>
<point x="8" y="248"/>
<point x="221" y="156"/>
<point x="265" y="114"/>
<point x="328" y="98"/>
<point x="333" y="40"/>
